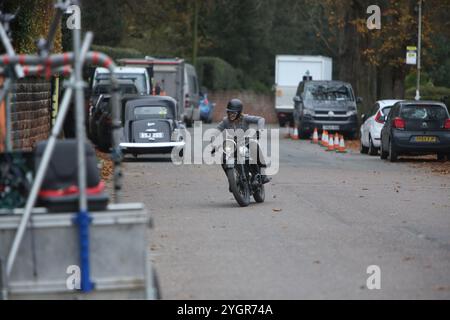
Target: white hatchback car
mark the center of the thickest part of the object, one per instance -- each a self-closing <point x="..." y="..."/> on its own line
<point x="372" y="125"/>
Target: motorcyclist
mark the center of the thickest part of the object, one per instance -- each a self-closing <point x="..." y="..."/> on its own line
<point x="236" y="120"/>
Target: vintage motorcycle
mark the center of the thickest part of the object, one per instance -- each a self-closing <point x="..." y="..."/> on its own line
<point x="242" y="170"/>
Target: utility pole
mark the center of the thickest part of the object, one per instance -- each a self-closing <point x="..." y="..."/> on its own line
<point x="195" y="44"/>
<point x="419" y="47"/>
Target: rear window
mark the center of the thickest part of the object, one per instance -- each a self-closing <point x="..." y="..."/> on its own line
<point x="154" y="112"/>
<point x="385" y="111"/>
<point x="423" y="112"/>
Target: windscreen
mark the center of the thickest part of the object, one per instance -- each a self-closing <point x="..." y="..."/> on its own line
<point x="324" y="92"/>
<point x="125" y="88"/>
<point x="137" y="79"/>
<point x="152" y="112"/>
<point x="423" y="112"/>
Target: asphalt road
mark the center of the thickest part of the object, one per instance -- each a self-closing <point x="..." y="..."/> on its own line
<point x="327" y="217"/>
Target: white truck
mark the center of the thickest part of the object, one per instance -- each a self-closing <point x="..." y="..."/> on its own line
<point x="290" y="70"/>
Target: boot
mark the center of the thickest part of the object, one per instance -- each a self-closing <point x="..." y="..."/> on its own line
<point x="265" y="179"/>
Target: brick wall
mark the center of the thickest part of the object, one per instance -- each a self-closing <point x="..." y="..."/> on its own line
<point x="30" y="112"/>
<point x="254" y="103"/>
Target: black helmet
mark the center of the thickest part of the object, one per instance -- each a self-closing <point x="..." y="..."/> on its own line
<point x="235" y="105"/>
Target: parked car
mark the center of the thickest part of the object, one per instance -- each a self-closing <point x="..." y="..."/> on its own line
<point x="102" y="119"/>
<point x="416" y="128"/>
<point x="100" y="106"/>
<point x="370" y="130"/>
<point x="138" y="76"/>
<point x="95" y="112"/>
<point x="151" y="125"/>
<point x="174" y="78"/>
<point x="325" y="105"/>
<point x="289" y="71"/>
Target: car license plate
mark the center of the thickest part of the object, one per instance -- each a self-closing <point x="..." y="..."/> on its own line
<point x="426" y="139"/>
<point x="151" y="135"/>
<point x="330" y="127"/>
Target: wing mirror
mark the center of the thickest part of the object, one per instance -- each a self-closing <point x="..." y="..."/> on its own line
<point x="359" y="100"/>
<point x="297" y="99"/>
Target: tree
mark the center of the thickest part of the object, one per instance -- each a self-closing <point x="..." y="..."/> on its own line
<point x="105" y="18"/>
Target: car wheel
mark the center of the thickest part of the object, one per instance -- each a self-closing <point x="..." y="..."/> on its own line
<point x="373" y="151"/>
<point x="383" y="154"/>
<point x="393" y="155"/>
<point x="362" y="148"/>
<point x="442" y="157"/>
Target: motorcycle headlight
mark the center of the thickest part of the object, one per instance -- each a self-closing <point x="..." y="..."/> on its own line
<point x="229" y="146"/>
<point x="243" y="151"/>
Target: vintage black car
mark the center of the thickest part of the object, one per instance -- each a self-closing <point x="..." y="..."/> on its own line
<point x="151" y="124"/>
<point x="416" y="128"/>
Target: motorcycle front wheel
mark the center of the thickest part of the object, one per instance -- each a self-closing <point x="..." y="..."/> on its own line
<point x="241" y="190"/>
<point x="260" y="194"/>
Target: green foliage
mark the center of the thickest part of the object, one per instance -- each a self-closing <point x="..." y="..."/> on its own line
<point x="439" y="68"/>
<point x="118" y="53"/>
<point x="217" y="74"/>
<point x="430" y="92"/>
<point x="105" y="18"/>
<point x="32" y="22"/>
<point x="411" y="80"/>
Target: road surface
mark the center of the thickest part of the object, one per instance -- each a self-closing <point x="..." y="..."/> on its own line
<point x="326" y="219"/>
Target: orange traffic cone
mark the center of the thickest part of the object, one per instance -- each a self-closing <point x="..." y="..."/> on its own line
<point x="295" y="134"/>
<point x="342" y="145"/>
<point x="330" y="143"/>
<point x="287" y="132"/>
<point x="336" y="142"/>
<point x="315" y="138"/>
<point x="325" y="139"/>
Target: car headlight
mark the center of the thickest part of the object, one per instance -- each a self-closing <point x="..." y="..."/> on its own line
<point x="351" y="111"/>
<point x="176" y="135"/>
<point x="308" y="112"/>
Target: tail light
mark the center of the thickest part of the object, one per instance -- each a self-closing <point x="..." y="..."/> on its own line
<point x="399" y="123"/>
<point x="379" y="117"/>
<point x="187" y="101"/>
<point x="447" y="124"/>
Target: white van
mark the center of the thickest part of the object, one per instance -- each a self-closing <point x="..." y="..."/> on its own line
<point x="191" y="94"/>
<point x="138" y="76"/>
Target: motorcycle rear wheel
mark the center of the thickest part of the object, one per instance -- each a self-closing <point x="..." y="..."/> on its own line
<point x="241" y="192"/>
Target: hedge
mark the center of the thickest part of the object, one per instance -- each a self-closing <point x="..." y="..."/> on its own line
<point x="430" y="92"/>
<point x="118" y="53"/>
<point x="217" y="74"/>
